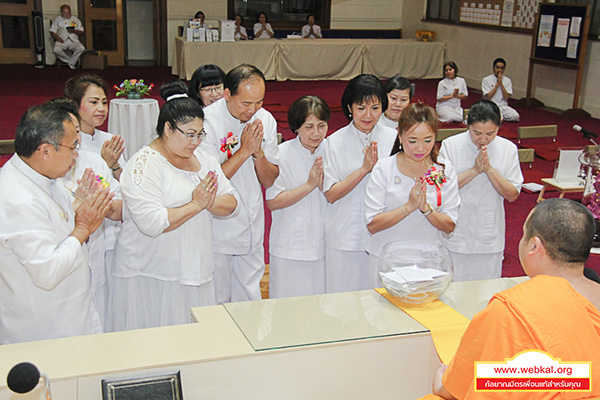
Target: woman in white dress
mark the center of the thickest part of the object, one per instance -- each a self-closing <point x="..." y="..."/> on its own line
<point x="350" y="155"/>
<point x="240" y="31"/>
<point x="207" y="84"/>
<point x="451" y="90"/>
<point x="489" y="172"/>
<point x="411" y="195"/>
<point x="297" y="241"/>
<point x="89" y="91"/>
<point x="399" y="93"/>
<point x="262" y="29"/>
<point x="171" y="191"/>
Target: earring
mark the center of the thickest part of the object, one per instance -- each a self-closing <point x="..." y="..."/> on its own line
<point x="350" y="115"/>
<point x="400" y="147"/>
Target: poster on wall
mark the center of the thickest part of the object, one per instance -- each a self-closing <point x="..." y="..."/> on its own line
<point x="562" y="32"/>
<point x="507" y="12"/>
<point x="575" y="26"/>
<point x="545" y="31"/>
<point x="572" y="48"/>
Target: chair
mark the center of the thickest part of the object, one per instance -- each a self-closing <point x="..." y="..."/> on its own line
<point x="7" y="146"/>
<point x="526" y="156"/>
<point x="534" y="132"/>
<point x="446" y="133"/>
<point x="567" y="177"/>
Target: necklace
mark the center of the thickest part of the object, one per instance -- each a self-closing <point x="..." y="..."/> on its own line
<point x="365" y="146"/>
<point x="62" y="211"/>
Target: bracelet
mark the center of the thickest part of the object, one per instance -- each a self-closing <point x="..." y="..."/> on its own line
<point x="116" y="169"/>
<point x="262" y="154"/>
<point x="402" y="207"/>
<point x="426" y="213"/>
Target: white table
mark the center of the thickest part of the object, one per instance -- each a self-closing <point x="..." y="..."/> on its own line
<point x="135" y="120"/>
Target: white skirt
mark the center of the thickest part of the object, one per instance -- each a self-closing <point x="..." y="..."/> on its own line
<point x="288" y="278"/>
<point x="474" y="267"/>
<point x="143" y="302"/>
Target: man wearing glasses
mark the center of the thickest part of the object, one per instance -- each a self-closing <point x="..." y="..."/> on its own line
<point x="44" y="273"/>
<point x="243" y="137"/>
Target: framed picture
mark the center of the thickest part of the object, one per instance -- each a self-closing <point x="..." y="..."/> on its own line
<point x="163" y="387"/>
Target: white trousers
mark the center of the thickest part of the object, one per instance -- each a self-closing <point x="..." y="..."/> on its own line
<point x="509" y="114"/>
<point x="473" y="267"/>
<point x="346" y="270"/>
<point x="288" y="278"/>
<point x="237" y="277"/>
<point x="450" y="114"/>
<point x="68" y="51"/>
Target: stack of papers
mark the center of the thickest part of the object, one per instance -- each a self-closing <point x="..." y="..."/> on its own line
<point x="412" y="280"/>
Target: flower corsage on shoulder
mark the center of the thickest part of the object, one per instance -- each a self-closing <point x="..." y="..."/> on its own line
<point x="436" y="178"/>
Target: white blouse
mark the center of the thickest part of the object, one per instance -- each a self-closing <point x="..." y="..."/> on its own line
<point x="94" y="143"/>
<point x="481" y="223"/>
<point x="388" y="123"/>
<point x="345" y="227"/>
<point x="298" y="231"/>
<point x="150" y="184"/>
<point x="264" y="34"/>
<point x="446" y="87"/>
<point x="388" y="189"/>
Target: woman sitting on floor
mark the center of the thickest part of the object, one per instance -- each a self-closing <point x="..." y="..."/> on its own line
<point x="451" y="90"/>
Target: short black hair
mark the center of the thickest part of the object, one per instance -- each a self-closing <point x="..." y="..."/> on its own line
<point x="499" y="59"/>
<point x="483" y="111"/>
<point x="198" y="14"/>
<point x="400" y="83"/>
<point x="68" y="105"/>
<point x="240" y="74"/>
<point x="263" y="13"/>
<point x="179" y="110"/>
<point x="241" y="16"/>
<point x="40" y="124"/>
<point x="565" y="227"/>
<point x="310" y="15"/>
<point x="304" y="107"/>
<point x="360" y="88"/>
<point x="205" y="75"/>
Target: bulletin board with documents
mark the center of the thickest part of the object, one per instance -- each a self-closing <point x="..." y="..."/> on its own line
<point x="503" y="13"/>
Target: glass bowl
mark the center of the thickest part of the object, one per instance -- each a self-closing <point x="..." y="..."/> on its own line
<point x="415" y="272"/>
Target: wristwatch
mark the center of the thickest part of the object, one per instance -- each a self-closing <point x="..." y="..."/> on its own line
<point x="426" y="213"/>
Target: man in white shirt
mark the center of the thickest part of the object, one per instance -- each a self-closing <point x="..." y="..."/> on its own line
<point x="65" y="30"/>
<point x="498" y="88"/>
<point x="44" y="273"/>
<point x="243" y="137"/>
<point x="311" y="30"/>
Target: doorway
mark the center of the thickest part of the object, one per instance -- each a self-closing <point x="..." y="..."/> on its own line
<point x="16" y="32"/>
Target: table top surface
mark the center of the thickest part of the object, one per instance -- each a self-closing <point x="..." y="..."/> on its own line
<point x="133" y="101"/>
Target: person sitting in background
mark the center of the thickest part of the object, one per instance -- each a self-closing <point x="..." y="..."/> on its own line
<point x="297" y="243"/>
<point x="350" y="155"/>
<point x="65" y="30"/>
<point x="171" y="191"/>
<point x="498" y="88"/>
<point x="556" y="311"/>
<point x="240" y="31"/>
<point x="451" y="90"/>
<point x="488" y="173"/>
<point x="398" y="187"/>
<point x="262" y="29"/>
<point x="44" y="273"/>
<point x="207" y="84"/>
<point x="199" y="17"/>
<point x="311" y="30"/>
<point x="399" y="93"/>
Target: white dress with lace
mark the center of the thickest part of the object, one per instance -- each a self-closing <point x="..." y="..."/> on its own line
<point x="160" y="276"/>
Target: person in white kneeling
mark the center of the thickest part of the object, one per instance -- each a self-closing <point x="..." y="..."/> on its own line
<point x="65" y="30"/>
<point x="498" y="88"/>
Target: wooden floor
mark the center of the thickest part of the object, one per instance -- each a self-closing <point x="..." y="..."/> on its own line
<point x="264" y="283"/>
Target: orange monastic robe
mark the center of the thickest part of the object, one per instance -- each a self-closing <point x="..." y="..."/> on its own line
<point x="543" y="313"/>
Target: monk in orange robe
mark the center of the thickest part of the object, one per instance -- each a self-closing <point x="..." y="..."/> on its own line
<point x="557" y="311"/>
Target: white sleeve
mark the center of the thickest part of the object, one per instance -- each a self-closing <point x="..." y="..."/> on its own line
<point x="330" y="175"/>
<point x="440" y="90"/>
<point x="257" y="27"/>
<point x="487" y="85"/>
<point x="278" y="187"/>
<point x="305" y="29"/>
<point x="78" y="24"/>
<point x="463" y="88"/>
<point x="507" y="84"/>
<point x="142" y="190"/>
<point x="31" y="236"/>
<point x="375" y="193"/>
<point x="269" y="144"/>
<point x="211" y="143"/>
<point x="450" y="197"/>
<point x="54" y="26"/>
<point x="513" y="167"/>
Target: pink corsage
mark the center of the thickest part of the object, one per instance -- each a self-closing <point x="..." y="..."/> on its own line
<point x="437" y="178"/>
<point x="100" y="179"/>
<point x="228" y="143"/>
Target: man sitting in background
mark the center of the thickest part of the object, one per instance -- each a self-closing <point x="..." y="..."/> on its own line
<point x="556" y="311"/>
<point x="498" y="88"/>
<point x="65" y="30"/>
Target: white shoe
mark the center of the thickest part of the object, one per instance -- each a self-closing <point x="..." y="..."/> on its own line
<point x="72" y="66"/>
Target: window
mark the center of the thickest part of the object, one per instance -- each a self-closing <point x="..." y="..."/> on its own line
<point x="282" y="14"/>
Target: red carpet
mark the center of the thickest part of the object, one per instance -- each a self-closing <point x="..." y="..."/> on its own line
<point x="24" y="86"/>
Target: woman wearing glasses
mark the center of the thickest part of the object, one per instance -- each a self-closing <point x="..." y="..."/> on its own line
<point x="171" y="191"/>
<point x="206" y="84"/>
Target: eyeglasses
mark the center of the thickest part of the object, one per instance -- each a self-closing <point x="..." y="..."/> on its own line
<point x="210" y="89"/>
<point x="191" y="136"/>
<point x="74" y="148"/>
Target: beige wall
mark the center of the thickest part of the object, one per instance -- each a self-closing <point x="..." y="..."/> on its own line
<point x="474" y="49"/>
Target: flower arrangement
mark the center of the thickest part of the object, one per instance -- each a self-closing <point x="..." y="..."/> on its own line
<point x="228" y="143"/>
<point x="437" y="178"/>
<point x="135" y="87"/>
